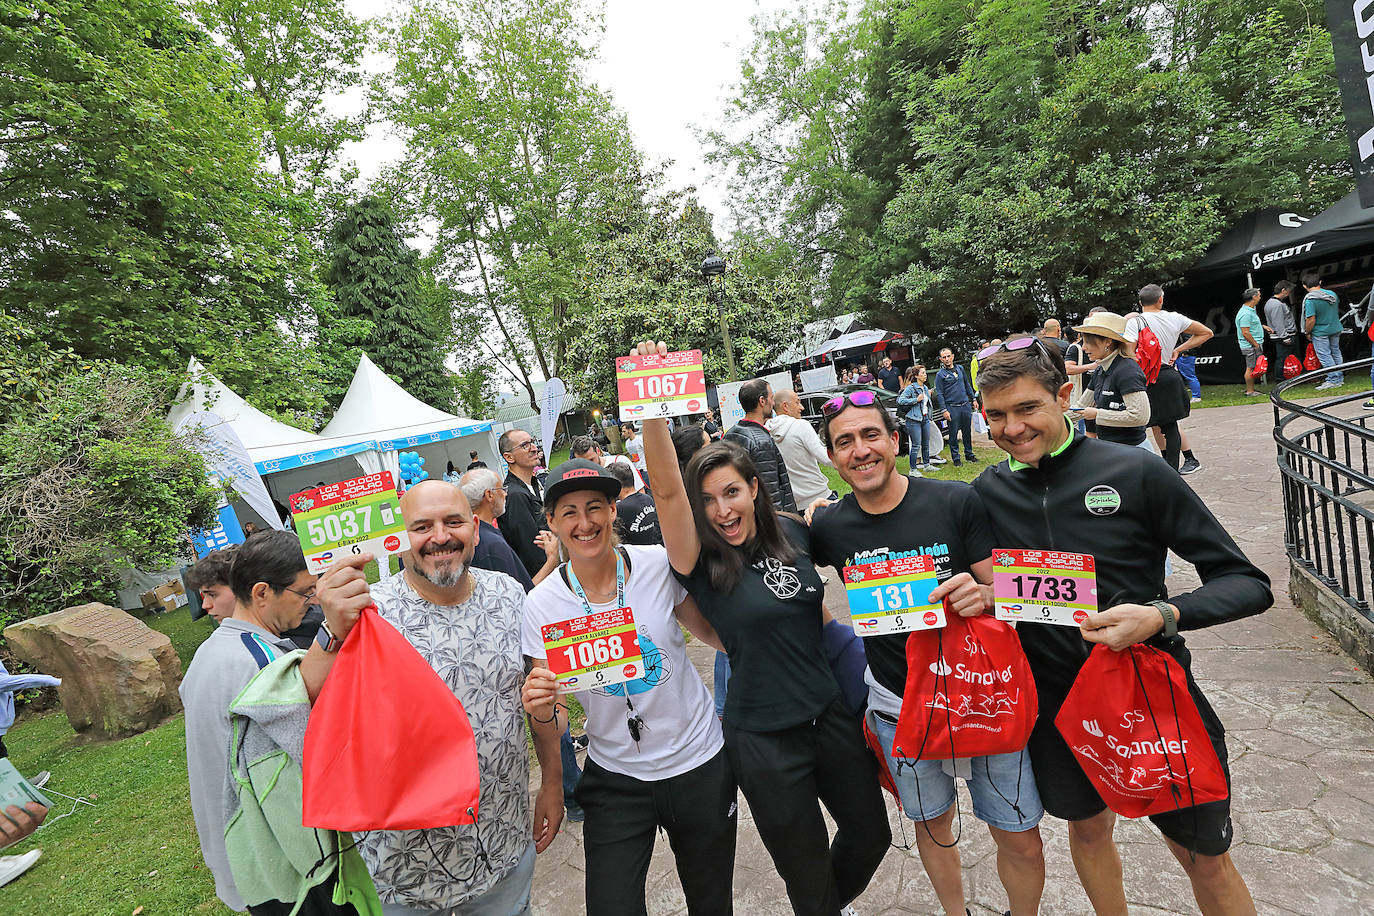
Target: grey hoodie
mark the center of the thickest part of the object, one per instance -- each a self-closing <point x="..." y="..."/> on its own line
<point x="803" y="454"/>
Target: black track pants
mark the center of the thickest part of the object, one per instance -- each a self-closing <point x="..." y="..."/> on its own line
<point x="786" y="775"/>
<point x="696" y="809"/>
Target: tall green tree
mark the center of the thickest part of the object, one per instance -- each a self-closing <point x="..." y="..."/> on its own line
<point x="1012" y="159"/>
<point x="138" y="225"/>
<point x="377" y="282"/>
<point x="510" y="151"/>
<point x="648" y="248"/>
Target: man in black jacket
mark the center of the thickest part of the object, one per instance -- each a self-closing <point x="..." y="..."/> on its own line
<point x="1064" y="492"/>
<point x="756" y="397"/>
<point x="524" y="516"/>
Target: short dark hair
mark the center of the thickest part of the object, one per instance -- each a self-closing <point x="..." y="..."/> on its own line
<point x="723" y="562"/>
<point x="1311" y="278"/>
<point x="581" y="445"/>
<point x="623" y="473"/>
<point x="687" y="442"/>
<point x="504" y="443"/>
<point x="1149" y="294"/>
<point x="1040" y="362"/>
<point x="1283" y="286"/>
<point x="273" y="557"/>
<point x="1249" y="294"/>
<point x="752" y="393"/>
<point x="889" y="423"/>
<point x="212" y="569"/>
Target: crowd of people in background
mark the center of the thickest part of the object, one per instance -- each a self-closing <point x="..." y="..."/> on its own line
<point x="724" y="532"/>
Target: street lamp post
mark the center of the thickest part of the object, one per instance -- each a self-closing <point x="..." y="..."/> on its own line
<point x="711" y="268"/>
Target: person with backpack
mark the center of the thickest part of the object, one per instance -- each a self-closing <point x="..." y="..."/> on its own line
<point x="1061" y="491"/>
<point x="1153" y="338"/>
<point x="1115" y="398"/>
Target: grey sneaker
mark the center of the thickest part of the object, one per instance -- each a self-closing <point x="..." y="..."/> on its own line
<point x="1190" y="465"/>
<point x="40" y="780"/>
<point x="1326" y="386"/>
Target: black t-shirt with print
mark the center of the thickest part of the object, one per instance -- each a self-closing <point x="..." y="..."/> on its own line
<point x="1111" y="384"/>
<point x="944" y="519"/>
<point x="770" y="625"/>
<point x="636" y="520"/>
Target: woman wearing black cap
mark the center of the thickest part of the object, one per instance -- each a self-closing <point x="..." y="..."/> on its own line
<point x="791" y="742"/>
<point x="655" y="758"/>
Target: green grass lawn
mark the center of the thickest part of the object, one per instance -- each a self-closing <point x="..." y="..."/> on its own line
<point x="1231" y="395"/>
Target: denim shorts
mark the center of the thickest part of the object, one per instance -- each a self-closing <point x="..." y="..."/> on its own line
<point x="1002" y="785"/>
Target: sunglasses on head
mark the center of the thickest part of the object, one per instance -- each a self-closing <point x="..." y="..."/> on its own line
<point x="856" y="398"/>
<point x="1019" y="343"/>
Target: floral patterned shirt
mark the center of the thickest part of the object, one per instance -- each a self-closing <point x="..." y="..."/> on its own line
<point x="475" y="648"/>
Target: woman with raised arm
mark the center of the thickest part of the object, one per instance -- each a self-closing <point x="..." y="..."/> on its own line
<point x="792" y="744"/>
<point x="654" y="758"/>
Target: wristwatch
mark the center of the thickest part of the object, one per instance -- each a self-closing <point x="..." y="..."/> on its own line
<point x="1170" y="619"/>
<point x="327" y="640"/>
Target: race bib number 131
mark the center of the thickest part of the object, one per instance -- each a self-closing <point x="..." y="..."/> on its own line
<point x="893" y="596"/>
<point x="1044" y="586"/>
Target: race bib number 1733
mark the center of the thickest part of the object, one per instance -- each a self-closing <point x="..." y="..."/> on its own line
<point x="594" y="650"/>
<point x="1044" y="586"/>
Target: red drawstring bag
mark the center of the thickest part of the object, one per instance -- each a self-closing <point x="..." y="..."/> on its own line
<point x="1137" y="734"/>
<point x="1310" y="361"/>
<point x="1291" y="367"/>
<point x="1261" y="367"/>
<point x="388" y="745"/>
<point x="876" y="746"/>
<point x="969" y="692"/>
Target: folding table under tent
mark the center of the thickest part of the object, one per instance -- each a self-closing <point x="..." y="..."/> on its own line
<point x="377" y="408"/>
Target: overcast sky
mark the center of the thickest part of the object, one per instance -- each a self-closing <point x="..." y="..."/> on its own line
<point x="668" y="66"/>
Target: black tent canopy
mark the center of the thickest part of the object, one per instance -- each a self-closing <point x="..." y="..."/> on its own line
<point x="1278" y="238"/>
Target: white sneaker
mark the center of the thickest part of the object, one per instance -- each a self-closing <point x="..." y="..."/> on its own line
<point x="937" y="460"/>
<point x="12" y="867"/>
<point x="1195" y="401"/>
<point x="1325" y="386"/>
<point x="849" y="911"/>
<point x="40" y="779"/>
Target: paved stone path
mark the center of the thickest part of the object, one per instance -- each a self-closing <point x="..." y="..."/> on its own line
<point x="1300" y="721"/>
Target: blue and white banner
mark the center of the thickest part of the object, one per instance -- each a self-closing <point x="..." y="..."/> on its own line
<point x="228" y="460"/>
<point x="227" y="532"/>
<point x="554" y="392"/>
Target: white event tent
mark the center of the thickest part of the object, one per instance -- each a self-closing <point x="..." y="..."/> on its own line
<point x="377" y="419"/>
<point x="378" y="408"/>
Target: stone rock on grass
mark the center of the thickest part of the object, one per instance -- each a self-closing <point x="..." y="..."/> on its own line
<point x="119" y="676"/>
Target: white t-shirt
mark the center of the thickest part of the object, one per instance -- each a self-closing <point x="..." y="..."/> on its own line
<point x="635" y="446"/>
<point x="1168" y="327"/>
<point x="680" y="729"/>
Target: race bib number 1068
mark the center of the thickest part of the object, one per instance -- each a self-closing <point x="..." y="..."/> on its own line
<point x="595" y="650"/>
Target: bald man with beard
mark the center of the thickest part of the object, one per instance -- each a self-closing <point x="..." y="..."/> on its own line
<point x="465" y="622"/>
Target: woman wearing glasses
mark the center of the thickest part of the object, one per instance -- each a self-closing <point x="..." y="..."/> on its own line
<point x="655" y="757"/>
<point x="791" y="742"/>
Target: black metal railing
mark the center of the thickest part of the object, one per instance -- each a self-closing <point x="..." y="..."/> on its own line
<point x="1328" y="489"/>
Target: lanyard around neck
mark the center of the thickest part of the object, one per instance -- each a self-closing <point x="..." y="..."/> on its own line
<point x="619" y="584"/>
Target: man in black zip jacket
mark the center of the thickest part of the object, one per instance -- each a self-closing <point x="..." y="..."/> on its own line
<point x="1061" y="491"/>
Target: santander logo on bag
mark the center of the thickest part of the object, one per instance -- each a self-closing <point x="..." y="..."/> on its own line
<point x="969" y="692"/>
<point x="1136" y="732"/>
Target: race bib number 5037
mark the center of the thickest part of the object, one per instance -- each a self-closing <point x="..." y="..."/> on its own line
<point x="362" y="514"/>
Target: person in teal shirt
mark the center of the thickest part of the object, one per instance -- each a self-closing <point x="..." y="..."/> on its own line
<point x="1321" y="310"/>
<point x="1250" y="336"/>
